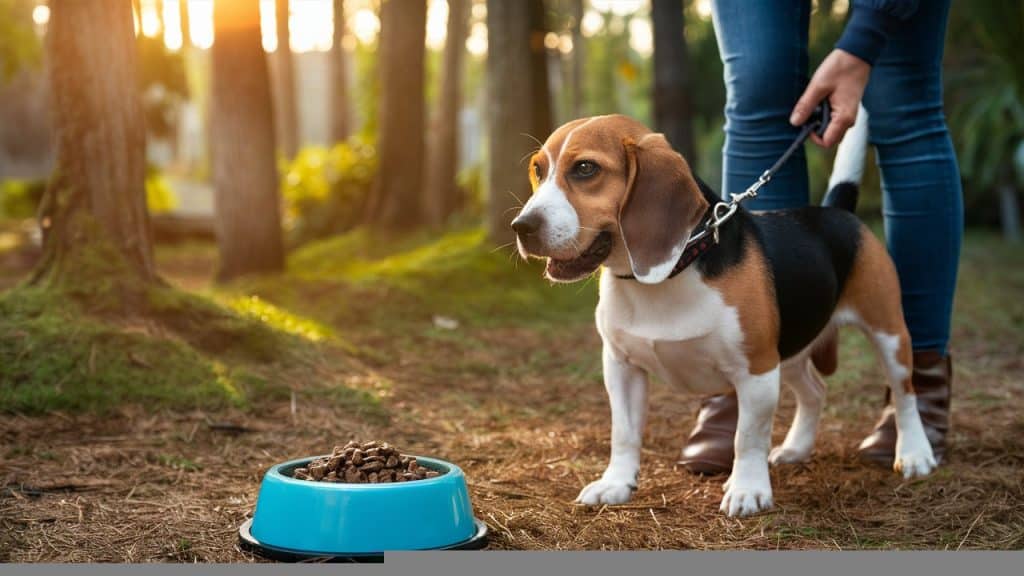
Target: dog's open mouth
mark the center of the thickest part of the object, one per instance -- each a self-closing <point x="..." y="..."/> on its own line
<point x="585" y="263"/>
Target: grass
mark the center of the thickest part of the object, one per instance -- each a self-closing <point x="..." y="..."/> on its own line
<point x="459" y="275"/>
<point x="96" y="338"/>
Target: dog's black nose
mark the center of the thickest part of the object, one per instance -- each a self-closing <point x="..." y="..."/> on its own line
<point x="526" y="224"/>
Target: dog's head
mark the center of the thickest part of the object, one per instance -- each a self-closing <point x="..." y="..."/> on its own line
<point x="607" y="189"/>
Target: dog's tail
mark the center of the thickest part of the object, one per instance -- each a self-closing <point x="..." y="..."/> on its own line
<point x="849" y="166"/>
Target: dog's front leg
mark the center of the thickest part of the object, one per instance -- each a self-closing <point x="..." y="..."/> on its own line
<point x="749" y="489"/>
<point x="627" y="393"/>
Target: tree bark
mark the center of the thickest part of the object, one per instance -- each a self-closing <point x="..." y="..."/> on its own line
<point x="337" y="107"/>
<point x="442" y="191"/>
<point x="541" y="95"/>
<point x="397" y="199"/>
<point x="510" y="88"/>
<point x="99" y="135"/>
<point x="242" y="125"/>
<point x="673" y="114"/>
<point x="288" y="113"/>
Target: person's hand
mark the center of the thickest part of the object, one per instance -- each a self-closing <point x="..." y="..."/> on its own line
<point x="841" y="78"/>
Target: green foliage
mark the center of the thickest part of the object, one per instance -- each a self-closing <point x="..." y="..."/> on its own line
<point x="159" y="196"/>
<point x="324" y="191"/>
<point x="163" y="84"/>
<point x="471" y="182"/>
<point x="617" y="79"/>
<point x="367" y="89"/>
<point x="986" y="91"/>
<point x="19" y="45"/>
<point x="19" y="199"/>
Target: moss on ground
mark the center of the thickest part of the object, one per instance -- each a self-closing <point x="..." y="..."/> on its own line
<point x="389" y="283"/>
<point x="89" y="334"/>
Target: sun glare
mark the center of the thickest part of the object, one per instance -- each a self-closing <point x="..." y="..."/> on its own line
<point x="41" y="14"/>
<point x="365" y="25"/>
<point x="704" y="9"/>
<point x="437" y="24"/>
<point x="172" y="26"/>
<point x="150" y="18"/>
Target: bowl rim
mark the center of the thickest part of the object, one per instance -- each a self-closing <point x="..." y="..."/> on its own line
<point x="450" y="471"/>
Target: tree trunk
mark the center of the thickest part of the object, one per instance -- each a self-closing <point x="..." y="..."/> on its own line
<point x="442" y="191"/>
<point x="579" y="56"/>
<point x="242" y="125"/>
<point x="397" y="199"/>
<point x="288" y="113"/>
<point x="100" y="138"/>
<point x="1009" y="211"/>
<point x="337" y="107"/>
<point x="540" y="97"/>
<point x="673" y="113"/>
<point x="510" y="87"/>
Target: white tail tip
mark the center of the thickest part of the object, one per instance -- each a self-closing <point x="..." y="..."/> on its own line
<point x="849" y="164"/>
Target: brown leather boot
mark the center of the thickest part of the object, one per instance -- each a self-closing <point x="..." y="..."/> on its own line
<point x="709" y="449"/>
<point x="932" y="380"/>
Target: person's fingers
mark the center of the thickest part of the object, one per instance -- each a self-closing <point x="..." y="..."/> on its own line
<point x="816" y="92"/>
<point x="840" y="123"/>
<point x="817" y="140"/>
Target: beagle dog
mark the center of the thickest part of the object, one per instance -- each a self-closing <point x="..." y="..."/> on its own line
<point x="744" y="313"/>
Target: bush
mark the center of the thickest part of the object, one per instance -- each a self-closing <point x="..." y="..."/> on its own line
<point x="325" y="190"/>
<point x="19" y="199"/>
<point x="159" y="196"/>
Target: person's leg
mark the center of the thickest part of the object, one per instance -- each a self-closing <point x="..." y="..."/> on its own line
<point x="922" y="205"/>
<point x="763" y="45"/>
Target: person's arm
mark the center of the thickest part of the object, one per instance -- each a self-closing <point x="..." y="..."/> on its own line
<point x="871" y="22"/>
<point x="844" y="73"/>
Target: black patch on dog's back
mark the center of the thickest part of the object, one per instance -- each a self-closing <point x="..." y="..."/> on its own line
<point x="732" y="239"/>
<point x="810" y="252"/>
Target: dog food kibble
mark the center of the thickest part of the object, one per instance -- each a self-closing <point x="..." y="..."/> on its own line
<point x="362" y="463"/>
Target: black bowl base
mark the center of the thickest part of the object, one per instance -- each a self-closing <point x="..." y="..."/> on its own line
<point x="247" y="542"/>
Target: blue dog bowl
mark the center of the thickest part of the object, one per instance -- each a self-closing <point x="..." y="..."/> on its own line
<point x="304" y="520"/>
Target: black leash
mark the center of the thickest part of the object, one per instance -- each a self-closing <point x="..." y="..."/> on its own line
<point x="721" y="212"/>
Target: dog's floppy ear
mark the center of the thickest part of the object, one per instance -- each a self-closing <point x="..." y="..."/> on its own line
<point x="663" y="205"/>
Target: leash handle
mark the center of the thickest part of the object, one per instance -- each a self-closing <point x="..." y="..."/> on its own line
<point x="817" y="124"/>
<point x="821" y="116"/>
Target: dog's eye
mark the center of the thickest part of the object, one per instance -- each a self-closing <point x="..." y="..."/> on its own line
<point x="538" y="171"/>
<point x="584" y="169"/>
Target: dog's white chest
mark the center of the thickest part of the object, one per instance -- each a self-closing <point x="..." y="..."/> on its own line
<point x="680" y="330"/>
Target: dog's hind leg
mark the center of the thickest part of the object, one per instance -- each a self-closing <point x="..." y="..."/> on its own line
<point x="749" y="489"/>
<point x="914" y="455"/>
<point x="871" y="301"/>
<point x="807" y="386"/>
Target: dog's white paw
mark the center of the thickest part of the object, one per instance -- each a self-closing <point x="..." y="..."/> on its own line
<point x="743" y="498"/>
<point x="915" y="464"/>
<point x="784" y="455"/>
<point x="606" y="491"/>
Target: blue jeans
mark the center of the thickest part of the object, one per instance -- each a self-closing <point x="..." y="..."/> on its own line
<point x="763" y="45"/>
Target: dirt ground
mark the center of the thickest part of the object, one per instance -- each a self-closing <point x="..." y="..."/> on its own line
<point x="522" y="410"/>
